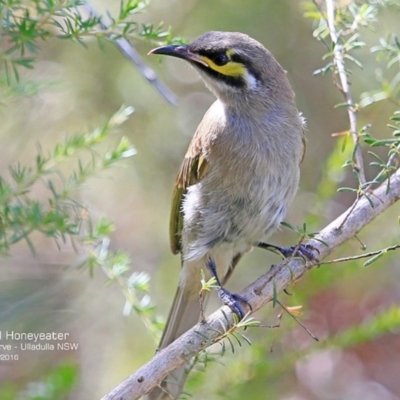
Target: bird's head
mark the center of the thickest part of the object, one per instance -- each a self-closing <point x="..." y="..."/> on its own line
<point x="234" y="66"/>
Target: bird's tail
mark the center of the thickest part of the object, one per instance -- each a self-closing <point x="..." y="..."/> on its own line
<point x="184" y="314"/>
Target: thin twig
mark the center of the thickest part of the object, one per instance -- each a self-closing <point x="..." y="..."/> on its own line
<point x="349" y="212"/>
<point x="129" y="51"/>
<point x="338" y="59"/>
<point x="360" y="256"/>
<point x="298" y="321"/>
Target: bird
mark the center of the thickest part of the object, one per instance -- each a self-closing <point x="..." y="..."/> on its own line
<point x="239" y="175"/>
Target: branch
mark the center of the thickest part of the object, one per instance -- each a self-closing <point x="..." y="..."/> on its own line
<point x="338" y="60"/>
<point x="257" y="294"/>
<point x="130" y="52"/>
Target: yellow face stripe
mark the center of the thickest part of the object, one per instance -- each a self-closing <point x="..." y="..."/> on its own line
<point x="232" y="68"/>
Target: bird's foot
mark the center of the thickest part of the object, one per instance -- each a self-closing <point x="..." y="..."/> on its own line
<point x="305" y="251"/>
<point x="232" y="300"/>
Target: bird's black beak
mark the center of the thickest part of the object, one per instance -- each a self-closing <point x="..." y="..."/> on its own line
<point x="178" y="51"/>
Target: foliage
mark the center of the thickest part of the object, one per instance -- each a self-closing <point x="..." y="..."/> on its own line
<point x="135" y="287"/>
<point x="341" y="33"/>
<point x="25" y="25"/>
<point x="60" y="216"/>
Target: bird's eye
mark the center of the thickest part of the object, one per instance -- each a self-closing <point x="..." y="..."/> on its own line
<point x="220" y="59"/>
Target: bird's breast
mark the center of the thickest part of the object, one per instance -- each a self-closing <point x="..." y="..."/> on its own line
<point x="240" y="201"/>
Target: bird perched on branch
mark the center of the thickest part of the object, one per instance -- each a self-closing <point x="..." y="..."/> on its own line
<point x="238" y="177"/>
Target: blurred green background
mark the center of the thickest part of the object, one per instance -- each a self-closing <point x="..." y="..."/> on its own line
<point x="39" y="294"/>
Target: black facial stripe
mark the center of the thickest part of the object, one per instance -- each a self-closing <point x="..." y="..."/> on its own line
<point x="247" y="63"/>
<point x="211" y="53"/>
<point x="237" y="58"/>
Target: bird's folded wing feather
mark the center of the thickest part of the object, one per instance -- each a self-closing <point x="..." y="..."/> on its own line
<point x="194" y="167"/>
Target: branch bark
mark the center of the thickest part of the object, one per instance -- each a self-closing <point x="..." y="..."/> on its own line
<point x="258" y="294"/>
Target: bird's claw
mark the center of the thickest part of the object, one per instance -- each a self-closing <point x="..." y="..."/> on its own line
<point x="233" y="300"/>
<point x="305" y="251"/>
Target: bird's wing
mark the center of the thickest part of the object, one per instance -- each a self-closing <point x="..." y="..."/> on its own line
<point x="194" y="167"/>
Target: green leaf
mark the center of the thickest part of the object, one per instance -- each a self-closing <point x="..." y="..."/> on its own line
<point x="372" y="97"/>
<point x="347" y="189"/>
<point x="374" y="258"/>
